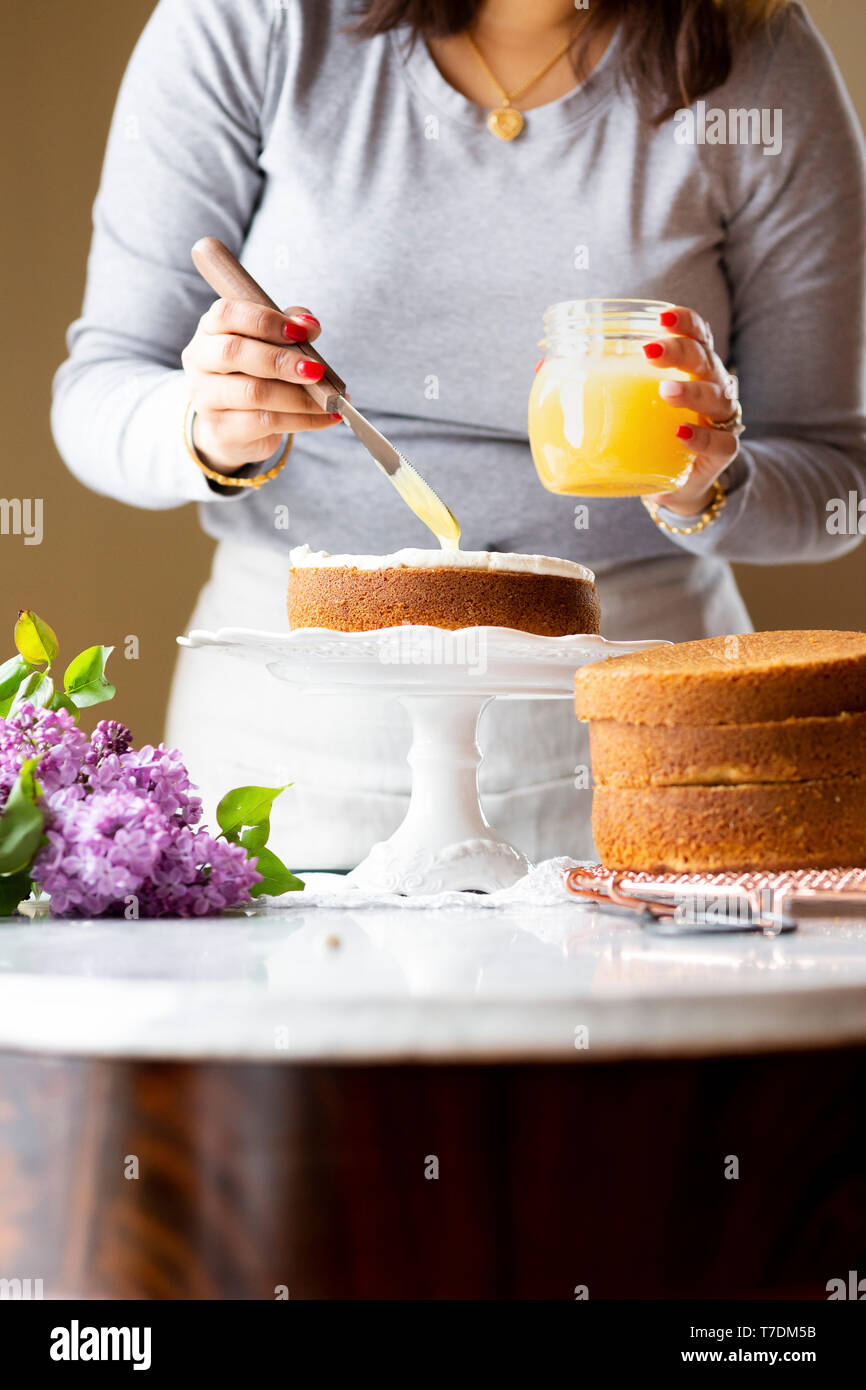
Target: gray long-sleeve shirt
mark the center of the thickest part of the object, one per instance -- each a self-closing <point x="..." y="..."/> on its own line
<point x="352" y="178"/>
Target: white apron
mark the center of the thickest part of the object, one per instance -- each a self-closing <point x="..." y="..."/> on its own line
<point x="346" y="755"/>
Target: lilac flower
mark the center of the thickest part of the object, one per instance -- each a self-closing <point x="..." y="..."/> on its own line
<point x="108" y="737"/>
<point x="118" y="845"/>
<point x="154" y="772"/>
<point x="52" y="736"/>
<point x="120" y="823"/>
<point x="196" y="875"/>
<point x="101" y="849"/>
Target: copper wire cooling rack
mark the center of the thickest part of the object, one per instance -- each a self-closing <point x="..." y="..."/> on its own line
<point x="673" y="904"/>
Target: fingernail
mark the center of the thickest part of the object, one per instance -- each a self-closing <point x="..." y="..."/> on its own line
<point x="671" y="388"/>
<point x="336" y="415"/>
<point x="653" y="349"/>
<point x="294" y="332"/>
<point x="308" y="318"/>
<point x="539" y="364"/>
<point x="311" y="371"/>
<point x="684" y="432"/>
<point x="668" y="319"/>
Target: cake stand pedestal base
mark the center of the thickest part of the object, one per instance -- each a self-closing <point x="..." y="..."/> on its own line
<point x="445" y="841"/>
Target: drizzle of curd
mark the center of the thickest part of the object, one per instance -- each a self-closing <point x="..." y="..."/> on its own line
<point x="599" y="428"/>
<point x="429" y="508"/>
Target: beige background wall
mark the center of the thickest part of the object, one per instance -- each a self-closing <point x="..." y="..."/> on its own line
<point x="105" y="571"/>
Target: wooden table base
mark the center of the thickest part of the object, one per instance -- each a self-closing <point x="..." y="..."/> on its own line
<point x="312" y="1177"/>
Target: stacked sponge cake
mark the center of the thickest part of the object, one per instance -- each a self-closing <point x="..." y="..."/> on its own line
<point x="731" y="753"/>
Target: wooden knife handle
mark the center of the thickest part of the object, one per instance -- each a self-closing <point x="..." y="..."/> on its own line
<point x="226" y="276"/>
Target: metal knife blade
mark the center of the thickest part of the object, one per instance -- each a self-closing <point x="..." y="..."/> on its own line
<point x="416" y="493"/>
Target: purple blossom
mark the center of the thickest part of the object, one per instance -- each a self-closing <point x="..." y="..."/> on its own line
<point x="108" y="737"/>
<point x="196" y="875"/>
<point x="100" y="850"/>
<point x="50" y="735"/>
<point x="119" y="823"/>
<point x="155" y="772"/>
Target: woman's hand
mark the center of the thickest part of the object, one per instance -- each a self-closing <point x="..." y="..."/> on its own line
<point x="246" y="381"/>
<point x="713" y="394"/>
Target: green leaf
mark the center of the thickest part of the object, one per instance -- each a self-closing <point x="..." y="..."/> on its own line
<point x="84" y="679"/>
<point x="37" y="690"/>
<point x="21" y="823"/>
<point x="12" y="673"/>
<point x="276" y="878"/>
<point x="29" y="785"/>
<point x="246" y="806"/>
<point x="256" y="837"/>
<point x="35" y="640"/>
<point x="14" y="888"/>
<point x="60" y="701"/>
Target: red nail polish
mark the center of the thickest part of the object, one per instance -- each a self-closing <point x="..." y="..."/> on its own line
<point x="539" y="364"/>
<point x="309" y="318"/>
<point x="294" y="332"/>
<point x="312" y="371"/>
<point x="684" y="432"/>
<point x="336" y="415"/>
<point x="653" y="349"/>
<point x="668" y="319"/>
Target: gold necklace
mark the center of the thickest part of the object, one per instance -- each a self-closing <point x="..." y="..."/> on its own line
<point x="505" y="121"/>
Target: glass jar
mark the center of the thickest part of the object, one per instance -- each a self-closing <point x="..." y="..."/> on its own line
<point x="597" y="424"/>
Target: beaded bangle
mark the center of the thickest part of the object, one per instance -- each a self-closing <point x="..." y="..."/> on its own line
<point x="718" y="502"/>
<point x="228" y="479"/>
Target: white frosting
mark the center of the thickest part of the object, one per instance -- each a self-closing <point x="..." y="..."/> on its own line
<point x="302" y="557"/>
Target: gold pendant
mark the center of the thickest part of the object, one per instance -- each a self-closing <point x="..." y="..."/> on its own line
<point x="505" y="122"/>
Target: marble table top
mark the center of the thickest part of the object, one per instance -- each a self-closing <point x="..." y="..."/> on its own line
<point x="380" y="984"/>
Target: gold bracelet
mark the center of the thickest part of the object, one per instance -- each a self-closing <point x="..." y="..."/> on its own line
<point x="719" y="499"/>
<point x="227" y="479"/>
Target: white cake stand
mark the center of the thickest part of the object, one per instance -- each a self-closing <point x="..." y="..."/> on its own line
<point x="444" y="679"/>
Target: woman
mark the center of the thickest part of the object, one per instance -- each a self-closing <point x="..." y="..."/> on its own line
<point x="344" y="153"/>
